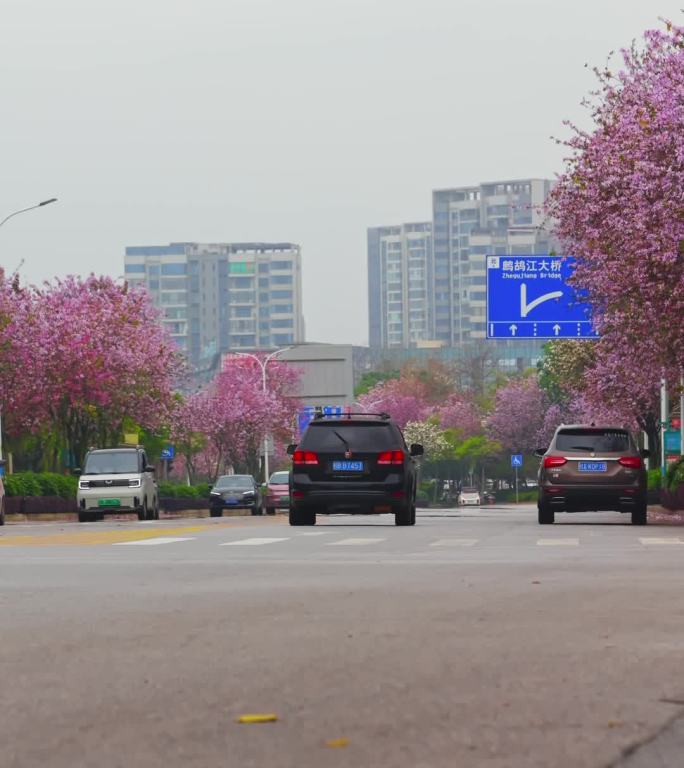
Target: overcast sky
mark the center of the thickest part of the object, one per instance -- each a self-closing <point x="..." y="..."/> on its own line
<point x="302" y="120"/>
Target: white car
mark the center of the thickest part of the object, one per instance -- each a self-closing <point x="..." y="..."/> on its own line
<point x="469" y="497"/>
<point x="117" y="480"/>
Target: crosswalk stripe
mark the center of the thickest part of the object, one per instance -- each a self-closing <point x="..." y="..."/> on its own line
<point x="353" y="542"/>
<point x="659" y="541"/>
<point x="153" y="542"/>
<point x="454" y="543"/>
<point x="557" y="542"/>
<point x="254" y="542"/>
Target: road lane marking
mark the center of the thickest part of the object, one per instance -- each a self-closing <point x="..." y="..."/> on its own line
<point x="557" y="542"/>
<point x="154" y="542"/>
<point x="316" y="533"/>
<point x="254" y="542"/>
<point x="454" y="543"/>
<point x="94" y="536"/>
<point x="354" y="542"/>
<point x="659" y="541"/>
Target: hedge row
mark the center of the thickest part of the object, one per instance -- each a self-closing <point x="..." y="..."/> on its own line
<point x="41" y="484"/>
<point x="177" y="491"/>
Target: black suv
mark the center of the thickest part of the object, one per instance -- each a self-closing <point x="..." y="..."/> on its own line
<point x="355" y="464"/>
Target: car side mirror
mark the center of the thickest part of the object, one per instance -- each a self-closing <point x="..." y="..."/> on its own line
<point x="291" y="449"/>
<point x="539" y="452"/>
<point x="416" y="449"/>
<point x="77" y="471"/>
<point x="645" y="454"/>
<point x="149" y="468"/>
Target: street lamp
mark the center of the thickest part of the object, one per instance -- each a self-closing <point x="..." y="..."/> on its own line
<point x="262" y="364"/>
<point x="30" y="208"/>
<point x="7" y="218"/>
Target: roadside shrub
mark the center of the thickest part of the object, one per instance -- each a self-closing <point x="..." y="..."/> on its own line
<point x="41" y="484"/>
<point x="675" y="475"/>
<point x="179" y="491"/>
<point x="654" y="479"/>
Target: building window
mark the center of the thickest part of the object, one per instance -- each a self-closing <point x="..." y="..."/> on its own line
<point x="281" y="323"/>
<point x="241" y="267"/>
<point x="281" y="294"/>
<point x="281" y="279"/>
<point x="174" y="269"/>
<point x="129" y="268"/>
<point x="281" y="265"/>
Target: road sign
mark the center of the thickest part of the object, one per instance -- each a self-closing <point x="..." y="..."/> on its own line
<point x="673" y="441"/>
<point x="309" y="411"/>
<point x="528" y="297"/>
<point x="516" y="460"/>
<point x="168" y="452"/>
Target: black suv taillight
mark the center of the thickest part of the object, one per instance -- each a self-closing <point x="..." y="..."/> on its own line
<point x="305" y="457"/>
<point x="391" y="457"/>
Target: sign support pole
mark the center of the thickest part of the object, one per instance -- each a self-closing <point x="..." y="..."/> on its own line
<point x="664" y="413"/>
<point x="516" y="483"/>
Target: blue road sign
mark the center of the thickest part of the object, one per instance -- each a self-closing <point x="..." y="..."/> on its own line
<point x="528" y="297"/>
<point x="673" y="441"/>
<point x="309" y="411"/>
<point x="516" y="460"/>
<point x="168" y="452"/>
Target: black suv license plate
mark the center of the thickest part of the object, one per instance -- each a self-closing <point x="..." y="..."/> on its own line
<point x="347" y="466"/>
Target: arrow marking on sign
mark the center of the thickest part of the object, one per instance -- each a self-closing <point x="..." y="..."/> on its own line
<point x="556" y="329"/>
<point x="513" y="328"/>
<point x="526" y="308"/>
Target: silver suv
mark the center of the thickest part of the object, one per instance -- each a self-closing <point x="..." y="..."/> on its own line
<point x="117" y="480"/>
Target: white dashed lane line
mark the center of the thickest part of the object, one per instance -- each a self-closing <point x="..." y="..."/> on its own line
<point x="454" y="543"/>
<point x="354" y="542"/>
<point x="557" y="542"/>
<point x="254" y="542"/>
<point x="660" y="541"/>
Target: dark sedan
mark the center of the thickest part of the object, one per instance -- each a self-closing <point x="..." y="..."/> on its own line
<point x="235" y="492"/>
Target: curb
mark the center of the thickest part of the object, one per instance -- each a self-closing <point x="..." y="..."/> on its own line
<point x="70" y="517"/>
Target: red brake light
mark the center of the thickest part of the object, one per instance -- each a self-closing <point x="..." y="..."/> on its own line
<point x="304" y="457"/>
<point x="554" y="461"/>
<point x="391" y="457"/>
<point x="633" y="462"/>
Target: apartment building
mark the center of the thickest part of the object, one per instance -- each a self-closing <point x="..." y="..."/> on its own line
<point x="399" y="262"/>
<point x="223" y="297"/>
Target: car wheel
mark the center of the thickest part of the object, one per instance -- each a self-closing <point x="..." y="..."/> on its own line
<point x="270" y="510"/>
<point x="302" y="517"/>
<point x="216" y="513"/>
<point x="2" y="511"/>
<point x="413" y="514"/>
<point x="545" y="516"/>
<point x="142" y="512"/>
<point x="84" y="517"/>
<point x="640" y="515"/>
<point x="404" y="516"/>
<point x="156" y="508"/>
<point x="256" y="510"/>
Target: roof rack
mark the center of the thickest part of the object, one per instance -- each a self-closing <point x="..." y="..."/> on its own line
<point x="350" y="415"/>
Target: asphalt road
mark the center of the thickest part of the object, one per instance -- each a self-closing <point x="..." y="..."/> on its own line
<point x="472" y="639"/>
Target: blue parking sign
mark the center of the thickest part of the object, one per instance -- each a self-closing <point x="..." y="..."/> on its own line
<point x="516" y="460"/>
<point x="168" y="452"/>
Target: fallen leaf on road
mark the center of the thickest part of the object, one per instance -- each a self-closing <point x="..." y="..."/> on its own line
<point x="615" y="723"/>
<point x="257" y="718"/>
<point x="337" y="743"/>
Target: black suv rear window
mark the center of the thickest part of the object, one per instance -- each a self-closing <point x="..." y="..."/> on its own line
<point x="360" y="437"/>
<point x="593" y="440"/>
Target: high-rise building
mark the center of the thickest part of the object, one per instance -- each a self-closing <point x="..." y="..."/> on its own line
<point x="222" y="297"/>
<point x="399" y="289"/>
<point x="470" y="223"/>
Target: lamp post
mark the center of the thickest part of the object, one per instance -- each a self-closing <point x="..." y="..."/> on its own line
<point x="262" y="364"/>
<point x="7" y="218"/>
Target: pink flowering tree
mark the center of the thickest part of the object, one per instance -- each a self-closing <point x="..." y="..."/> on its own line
<point x="403" y="399"/>
<point x="518" y="417"/>
<point x="82" y="360"/>
<point x="619" y="209"/>
<point x="460" y="414"/>
<point x="224" y="425"/>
